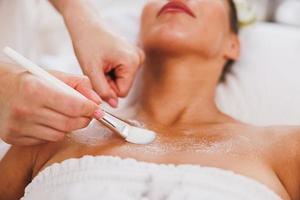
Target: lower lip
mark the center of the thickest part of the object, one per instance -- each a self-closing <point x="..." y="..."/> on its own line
<point x="174" y="10"/>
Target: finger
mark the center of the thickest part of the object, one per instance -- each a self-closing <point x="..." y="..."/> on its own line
<point x="60" y="122"/>
<point x="113" y="101"/>
<point x="112" y="84"/>
<point x="41" y="132"/>
<point x="124" y="80"/>
<point x="80" y="83"/>
<point x="83" y="85"/>
<point x="101" y="86"/>
<point x="88" y="93"/>
<point x="142" y="55"/>
<point x="27" y="141"/>
<point x="69" y="105"/>
<point x="126" y="72"/>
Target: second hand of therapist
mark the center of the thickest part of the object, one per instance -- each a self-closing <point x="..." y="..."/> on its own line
<point x="100" y="51"/>
<point x="32" y="112"/>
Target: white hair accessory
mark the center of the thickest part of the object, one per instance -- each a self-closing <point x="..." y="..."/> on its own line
<point x="246" y="13"/>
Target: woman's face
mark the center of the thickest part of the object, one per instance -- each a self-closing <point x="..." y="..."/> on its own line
<point x="185" y="26"/>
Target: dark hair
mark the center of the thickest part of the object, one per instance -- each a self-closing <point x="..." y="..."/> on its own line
<point x="234" y="27"/>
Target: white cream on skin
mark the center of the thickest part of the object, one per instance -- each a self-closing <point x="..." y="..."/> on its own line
<point x="96" y="134"/>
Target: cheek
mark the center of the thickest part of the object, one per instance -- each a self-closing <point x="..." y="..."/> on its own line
<point x="147" y="21"/>
<point x="212" y="29"/>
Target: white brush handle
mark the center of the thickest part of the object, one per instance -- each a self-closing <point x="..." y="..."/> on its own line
<point x="39" y="72"/>
<point x="108" y="120"/>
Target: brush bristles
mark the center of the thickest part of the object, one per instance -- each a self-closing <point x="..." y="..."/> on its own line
<point x="140" y="136"/>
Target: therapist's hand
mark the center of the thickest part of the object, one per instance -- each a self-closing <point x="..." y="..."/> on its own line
<point x="34" y="112"/>
<point x="107" y="59"/>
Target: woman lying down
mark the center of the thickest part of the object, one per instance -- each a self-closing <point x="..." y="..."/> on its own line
<point x="200" y="153"/>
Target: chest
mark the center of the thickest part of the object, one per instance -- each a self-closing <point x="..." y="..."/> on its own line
<point x="222" y="152"/>
<point x="238" y="154"/>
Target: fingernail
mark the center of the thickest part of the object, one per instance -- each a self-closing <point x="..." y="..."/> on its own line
<point x="98" y="114"/>
<point x="113" y="102"/>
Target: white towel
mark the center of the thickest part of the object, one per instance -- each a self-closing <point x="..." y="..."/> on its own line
<point x="113" y="178"/>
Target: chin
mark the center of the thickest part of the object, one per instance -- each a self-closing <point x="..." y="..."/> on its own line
<point x="168" y="41"/>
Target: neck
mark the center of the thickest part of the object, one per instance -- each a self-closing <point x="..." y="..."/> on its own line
<point x="181" y="91"/>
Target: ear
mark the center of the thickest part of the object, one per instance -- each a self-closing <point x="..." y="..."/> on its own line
<point x="232" y="50"/>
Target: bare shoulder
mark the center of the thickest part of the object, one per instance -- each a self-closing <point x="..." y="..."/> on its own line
<point x="287" y="138"/>
<point x="46" y="152"/>
<point x="284" y="142"/>
<point x="279" y="148"/>
<point x="284" y="154"/>
<point x="16" y="171"/>
<point x="20" y="165"/>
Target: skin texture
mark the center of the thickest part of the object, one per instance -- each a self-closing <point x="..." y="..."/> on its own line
<point x="181" y="74"/>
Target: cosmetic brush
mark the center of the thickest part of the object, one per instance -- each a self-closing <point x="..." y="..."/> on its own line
<point x="130" y="133"/>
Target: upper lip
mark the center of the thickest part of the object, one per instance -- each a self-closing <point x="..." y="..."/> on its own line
<point x="176" y="6"/>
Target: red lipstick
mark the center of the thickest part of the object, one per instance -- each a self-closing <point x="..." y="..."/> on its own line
<point x="176" y="6"/>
